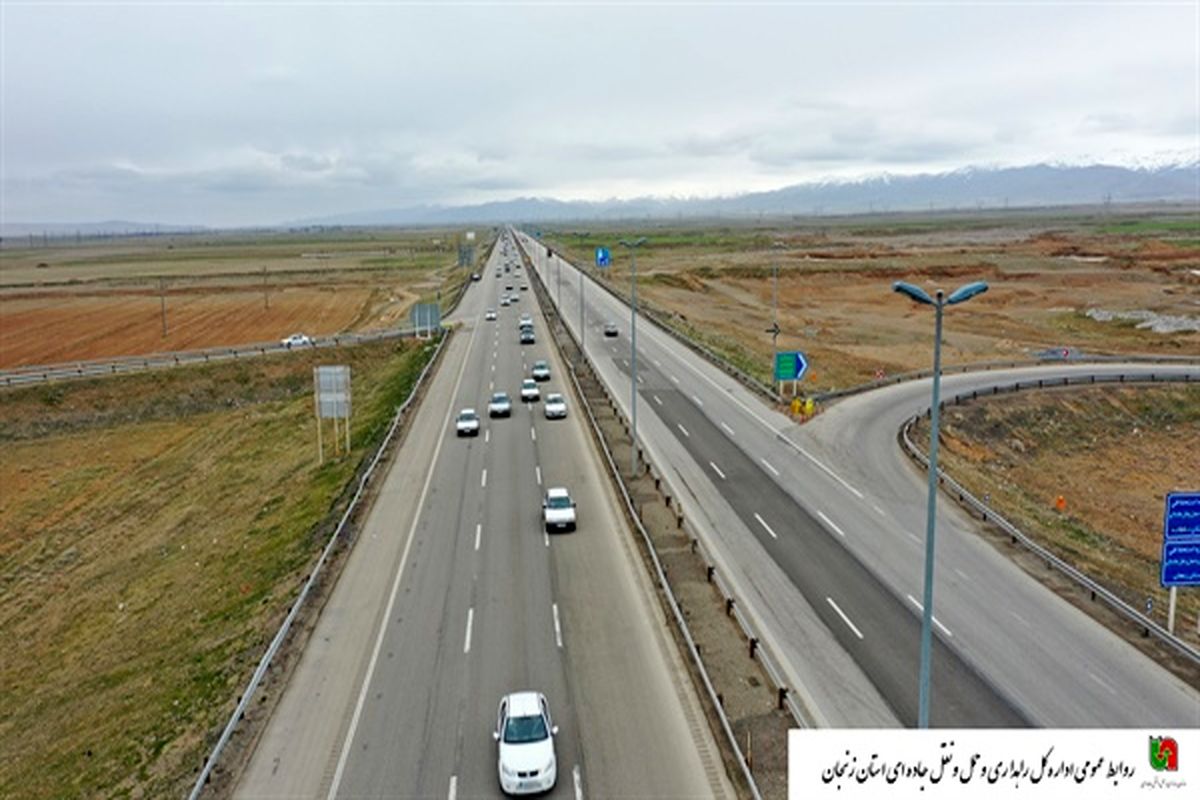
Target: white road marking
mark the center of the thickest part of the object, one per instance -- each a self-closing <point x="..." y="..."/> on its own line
<point x="921" y="608"/>
<point x="391" y="604"/>
<point x="478" y="533"/>
<point x="1019" y="618"/>
<point x="657" y="363"/>
<point x="453" y="793"/>
<point x="763" y="522"/>
<point x="1096" y="678"/>
<point x="538" y="471"/>
<point x="767" y="464"/>
<point x="557" y="627"/>
<point x="493" y="367"/>
<point x="578" y="783"/>
<point x="717" y="470"/>
<point x="487" y="435"/>
<point x="683" y="429"/>
<point x="698" y="401"/>
<point x="483" y="479"/>
<point x="962" y="574"/>
<point x="879" y="510"/>
<point x="728" y="429"/>
<point x="546" y="536"/>
<point x="625" y="361"/>
<point x="470" y="621"/>
<point x="675" y="379"/>
<point x="641" y="379"/>
<point x="656" y="399"/>
<point x="912" y="536"/>
<point x="845" y="619"/>
<point x="492" y="386"/>
<point x="533" y="434"/>
<point x="829" y="522"/>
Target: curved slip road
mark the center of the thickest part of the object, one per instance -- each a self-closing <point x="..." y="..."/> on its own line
<point x="454" y="596"/>
<point x="821" y="531"/>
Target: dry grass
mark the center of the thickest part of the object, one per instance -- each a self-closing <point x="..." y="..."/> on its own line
<point x="1112" y="453"/>
<point x="152" y="531"/>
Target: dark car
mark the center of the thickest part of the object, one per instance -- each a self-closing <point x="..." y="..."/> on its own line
<point x="610" y="329"/>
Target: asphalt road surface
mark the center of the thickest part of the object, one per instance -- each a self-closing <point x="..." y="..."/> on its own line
<point x="820" y="529"/>
<point x="455" y="596"/>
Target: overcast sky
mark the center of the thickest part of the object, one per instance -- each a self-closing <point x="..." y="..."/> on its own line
<point x="243" y="114"/>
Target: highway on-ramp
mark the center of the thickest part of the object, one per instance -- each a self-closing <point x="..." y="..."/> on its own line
<point x="820" y="529"/>
<point x="455" y="596"/>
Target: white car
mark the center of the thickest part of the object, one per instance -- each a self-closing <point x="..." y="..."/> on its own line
<point x="529" y="391"/>
<point x="555" y="406"/>
<point x="500" y="405"/>
<point x="467" y="423"/>
<point x="524" y="319"/>
<point x="525" y="738"/>
<point x="490" y="315"/>
<point x="558" y="510"/>
<point x="540" y="371"/>
<point x="296" y="340"/>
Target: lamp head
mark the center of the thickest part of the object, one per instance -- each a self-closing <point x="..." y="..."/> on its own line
<point x="966" y="292"/>
<point x="914" y="292"/>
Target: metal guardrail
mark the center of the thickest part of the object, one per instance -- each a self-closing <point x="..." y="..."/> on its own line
<point x="294" y="609"/>
<point x="24" y="376"/>
<point x="988" y="514"/>
<point x="660" y="573"/>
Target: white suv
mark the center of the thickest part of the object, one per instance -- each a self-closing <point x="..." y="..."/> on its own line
<point x="558" y="510"/>
<point x="525" y="738"/>
<point x="467" y="423"/>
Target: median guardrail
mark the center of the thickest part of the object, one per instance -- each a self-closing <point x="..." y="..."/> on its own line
<point x="988" y="514"/>
<point x="294" y="609"/>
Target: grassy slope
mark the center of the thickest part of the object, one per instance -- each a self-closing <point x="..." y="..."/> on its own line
<point x="1112" y="453"/>
<point x="152" y="531"/>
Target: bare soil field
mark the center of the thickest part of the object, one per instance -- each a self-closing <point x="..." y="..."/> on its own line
<point x="836" y="303"/>
<point x="67" y="302"/>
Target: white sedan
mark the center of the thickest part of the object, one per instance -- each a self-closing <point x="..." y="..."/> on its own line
<point x="490" y="315"/>
<point x="296" y="340"/>
<point x="529" y="391"/>
<point x="555" y="406"/>
<point x="525" y="737"/>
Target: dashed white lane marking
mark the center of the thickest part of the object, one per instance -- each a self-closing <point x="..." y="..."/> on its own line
<point x="478" y="533"/>
<point x="657" y="363"/>
<point x="483" y="479"/>
<point x="683" y="430"/>
<point x="557" y="627"/>
<point x="879" y="510"/>
<point x="491" y="386"/>
<point x="829" y="522"/>
<point x="641" y="379"/>
<point x="962" y="574"/>
<point x="767" y="464"/>
<point x="1096" y="678"/>
<point x="921" y="608"/>
<point x="717" y="470"/>
<point x="696" y="399"/>
<point x="656" y="399"/>
<point x="538" y="471"/>
<point x="453" y="793"/>
<point x="625" y="361"/>
<point x="487" y="436"/>
<point x="763" y="522"/>
<point x="493" y="367"/>
<point x="470" y="621"/>
<point x="728" y="429"/>
<point x="1019" y="618"/>
<point x="533" y="434"/>
<point x="912" y="536"/>
<point x="546" y="536"/>
<point x="675" y="379"/>
<point x="578" y="783"/>
<point x="845" y="619"/>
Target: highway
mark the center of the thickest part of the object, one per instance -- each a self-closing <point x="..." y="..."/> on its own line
<point x="455" y="596"/>
<point x="820" y="529"/>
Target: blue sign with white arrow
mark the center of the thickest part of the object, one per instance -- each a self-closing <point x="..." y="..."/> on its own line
<point x="1181" y="540"/>
<point x="603" y="257"/>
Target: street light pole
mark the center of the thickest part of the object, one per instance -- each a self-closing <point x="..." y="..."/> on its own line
<point x="918" y="294"/>
<point x="633" y="453"/>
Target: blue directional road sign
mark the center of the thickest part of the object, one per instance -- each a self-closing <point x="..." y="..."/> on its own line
<point x="603" y="257"/>
<point x="790" y="366"/>
<point x="1181" y="540"/>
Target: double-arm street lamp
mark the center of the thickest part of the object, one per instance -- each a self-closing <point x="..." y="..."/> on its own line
<point x="959" y="295"/>
<point x="633" y="246"/>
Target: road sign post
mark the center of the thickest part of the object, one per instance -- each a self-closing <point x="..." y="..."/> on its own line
<point x="331" y="395"/>
<point x="1181" y="547"/>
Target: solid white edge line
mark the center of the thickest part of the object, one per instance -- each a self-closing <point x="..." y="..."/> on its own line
<point x="830" y="523"/>
<point x="728" y="429"/>
<point x="557" y="626"/>
<point x="483" y="479"/>
<point x="366" y="684"/>
<point x="845" y="619"/>
<point x="478" y="533"/>
<point x="578" y="783"/>
<point x="470" y="621"/>
<point x="767" y="464"/>
<point x="683" y="429"/>
<point x="453" y="793"/>
<point x="717" y="470"/>
<point x="763" y="522"/>
<point x="936" y="621"/>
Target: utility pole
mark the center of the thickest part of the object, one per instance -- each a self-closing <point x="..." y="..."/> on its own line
<point x="633" y="389"/>
<point x="162" y="298"/>
<point x="266" y="298"/>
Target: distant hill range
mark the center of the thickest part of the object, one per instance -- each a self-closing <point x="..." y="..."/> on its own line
<point x="970" y="188"/>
